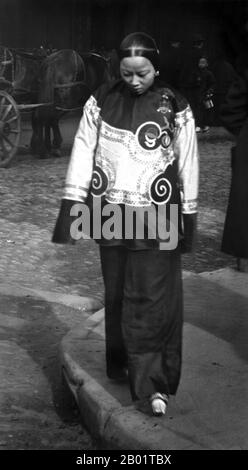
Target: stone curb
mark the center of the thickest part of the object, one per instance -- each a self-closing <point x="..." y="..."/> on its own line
<point x="110" y="423"/>
<point x="209" y="358"/>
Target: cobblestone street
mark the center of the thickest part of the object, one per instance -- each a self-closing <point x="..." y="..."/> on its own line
<point x="30" y="193"/>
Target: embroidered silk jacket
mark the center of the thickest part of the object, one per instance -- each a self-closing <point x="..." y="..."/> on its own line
<point x="137" y="150"/>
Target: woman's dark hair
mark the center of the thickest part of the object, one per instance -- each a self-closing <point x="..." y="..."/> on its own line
<point x="140" y="44"/>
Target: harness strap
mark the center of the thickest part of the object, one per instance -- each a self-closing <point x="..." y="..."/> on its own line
<point x="66" y="85"/>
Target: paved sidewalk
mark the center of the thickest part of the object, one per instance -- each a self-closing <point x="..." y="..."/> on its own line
<point x="210" y="410"/>
<point x="37" y="413"/>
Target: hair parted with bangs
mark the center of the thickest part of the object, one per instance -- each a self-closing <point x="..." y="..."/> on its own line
<point x="140" y="44"/>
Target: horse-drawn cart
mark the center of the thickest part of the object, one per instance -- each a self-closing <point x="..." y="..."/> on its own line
<point x="48" y="87"/>
<point x="22" y="87"/>
<point x="10" y="125"/>
<point x="12" y="103"/>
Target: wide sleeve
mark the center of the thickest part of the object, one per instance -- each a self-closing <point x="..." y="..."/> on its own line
<point x="80" y="167"/>
<point x="186" y="150"/>
<point x="79" y="173"/>
<point x="233" y="111"/>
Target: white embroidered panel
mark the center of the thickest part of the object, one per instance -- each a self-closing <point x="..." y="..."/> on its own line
<point x="130" y="168"/>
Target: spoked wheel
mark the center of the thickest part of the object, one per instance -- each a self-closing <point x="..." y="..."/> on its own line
<point x="10" y="129"/>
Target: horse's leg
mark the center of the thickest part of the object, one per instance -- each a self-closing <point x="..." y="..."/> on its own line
<point x="48" y="144"/>
<point x="44" y="151"/>
<point x="34" y="143"/>
<point x="57" y="137"/>
<point x="37" y="141"/>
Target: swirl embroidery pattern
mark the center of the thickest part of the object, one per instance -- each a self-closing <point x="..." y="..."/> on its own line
<point x="99" y="182"/>
<point x="161" y="189"/>
<point x="150" y="135"/>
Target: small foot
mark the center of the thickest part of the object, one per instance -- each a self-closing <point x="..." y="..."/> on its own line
<point x="159" y="403"/>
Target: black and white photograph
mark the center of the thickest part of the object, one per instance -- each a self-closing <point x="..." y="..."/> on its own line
<point x="124" y="229"/>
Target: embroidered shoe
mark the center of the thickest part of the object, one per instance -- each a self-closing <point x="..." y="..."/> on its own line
<point x="159" y="403"/>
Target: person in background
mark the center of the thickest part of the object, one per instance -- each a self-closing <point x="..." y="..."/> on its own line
<point x="234" y="116"/>
<point x="204" y="90"/>
<point x="136" y="148"/>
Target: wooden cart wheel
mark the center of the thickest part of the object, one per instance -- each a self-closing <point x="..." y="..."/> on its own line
<point x="10" y="129"/>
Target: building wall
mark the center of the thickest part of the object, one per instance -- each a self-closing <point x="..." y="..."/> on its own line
<point x="29" y="23"/>
<point x="82" y="24"/>
<point x="10" y="31"/>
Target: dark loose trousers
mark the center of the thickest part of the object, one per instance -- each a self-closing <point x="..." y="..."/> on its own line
<point x="143" y="317"/>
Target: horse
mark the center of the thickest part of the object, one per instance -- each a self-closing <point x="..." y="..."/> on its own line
<point x="61" y="89"/>
<point x="97" y="70"/>
<point x="20" y="70"/>
<point x="67" y="79"/>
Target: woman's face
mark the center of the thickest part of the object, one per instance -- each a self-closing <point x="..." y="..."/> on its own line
<point x="138" y="73"/>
